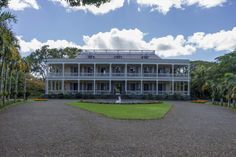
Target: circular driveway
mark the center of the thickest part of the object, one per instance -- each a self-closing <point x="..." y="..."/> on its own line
<point x="53" y="129"/>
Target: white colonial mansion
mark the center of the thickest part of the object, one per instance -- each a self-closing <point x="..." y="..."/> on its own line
<point x="108" y="72"/>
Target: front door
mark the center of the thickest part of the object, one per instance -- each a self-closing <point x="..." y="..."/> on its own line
<point x="118" y="88"/>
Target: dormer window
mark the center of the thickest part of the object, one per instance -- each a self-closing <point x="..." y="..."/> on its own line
<point x="91" y="57"/>
<point x="145" y="57"/>
<point x="118" y="57"/>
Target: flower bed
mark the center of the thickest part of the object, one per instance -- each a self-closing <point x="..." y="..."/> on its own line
<point x="40" y="99"/>
<point x="199" y="101"/>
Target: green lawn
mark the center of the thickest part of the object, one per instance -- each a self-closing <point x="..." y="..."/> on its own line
<point x="127" y="111"/>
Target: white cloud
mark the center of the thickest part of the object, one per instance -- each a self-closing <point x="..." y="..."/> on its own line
<point x="164" y="6"/>
<point x="169" y="46"/>
<point x="133" y="39"/>
<point x="116" y="39"/>
<point x="103" y="9"/>
<point x="220" y="41"/>
<point x="19" y="5"/>
<point x="29" y="46"/>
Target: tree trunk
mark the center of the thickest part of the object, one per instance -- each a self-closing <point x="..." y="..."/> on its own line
<point x="221" y="101"/>
<point x="16" y="86"/>
<point x="5" y="84"/>
<point x="2" y="81"/>
<point x="25" y="87"/>
<point x="213" y="100"/>
<point x="228" y="102"/>
<point x="9" y="87"/>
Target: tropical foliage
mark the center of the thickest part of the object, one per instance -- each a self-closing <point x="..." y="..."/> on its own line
<point x="215" y="80"/>
<point x="37" y="59"/>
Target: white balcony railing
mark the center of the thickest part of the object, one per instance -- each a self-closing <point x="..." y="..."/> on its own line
<point x="71" y="74"/>
<point x="86" y="74"/>
<point x="102" y="74"/>
<point x="151" y="75"/>
<point x="165" y="74"/>
<point x="133" y="74"/>
<point x="118" y="74"/>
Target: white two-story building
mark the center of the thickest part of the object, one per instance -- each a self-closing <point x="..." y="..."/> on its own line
<point x="126" y="72"/>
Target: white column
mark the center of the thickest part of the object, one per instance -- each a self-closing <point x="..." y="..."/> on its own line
<point x="110" y="86"/>
<point x="173" y="81"/>
<point x="110" y="71"/>
<point x="189" y="78"/>
<point x="78" y="70"/>
<point x="46" y="87"/>
<point x="62" y="86"/>
<point x="142" y="70"/>
<point x="63" y="70"/>
<point x="157" y="87"/>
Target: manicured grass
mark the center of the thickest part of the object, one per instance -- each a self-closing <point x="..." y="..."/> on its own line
<point x="127" y="111"/>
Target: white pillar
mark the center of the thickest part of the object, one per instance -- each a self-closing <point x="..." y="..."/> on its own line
<point x="78" y="70"/>
<point x="173" y="81"/>
<point x="157" y="87"/>
<point x="189" y="78"/>
<point x="110" y="86"/>
<point x="110" y="71"/>
<point x="63" y="70"/>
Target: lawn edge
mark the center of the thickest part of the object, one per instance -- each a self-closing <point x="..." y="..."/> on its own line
<point x="114" y="118"/>
<point x="15" y="104"/>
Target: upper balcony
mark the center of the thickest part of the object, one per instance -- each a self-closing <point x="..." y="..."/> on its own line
<point x="118" y="71"/>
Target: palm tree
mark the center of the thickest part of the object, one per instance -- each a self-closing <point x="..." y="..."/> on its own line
<point x="230" y="81"/>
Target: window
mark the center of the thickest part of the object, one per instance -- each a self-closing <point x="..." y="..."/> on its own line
<point x="132" y="70"/>
<point x="91" y="57"/>
<point x="117" y="69"/>
<point x="145" y="57"/>
<point x="118" y="57"/>
<point x="90" y="69"/>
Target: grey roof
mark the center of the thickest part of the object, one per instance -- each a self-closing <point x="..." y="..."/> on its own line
<point x="118" y="54"/>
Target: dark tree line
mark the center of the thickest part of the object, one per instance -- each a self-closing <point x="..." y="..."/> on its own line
<point x="215" y="80"/>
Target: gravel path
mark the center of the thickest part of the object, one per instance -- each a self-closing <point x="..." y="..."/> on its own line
<point x="52" y="129"/>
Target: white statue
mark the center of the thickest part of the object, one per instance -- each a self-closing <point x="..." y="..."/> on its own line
<point x="119" y="100"/>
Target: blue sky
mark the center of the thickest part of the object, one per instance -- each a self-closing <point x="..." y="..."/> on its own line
<point x="195" y="30"/>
